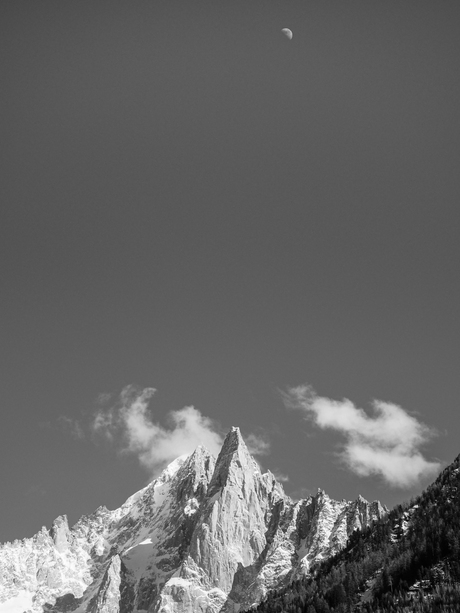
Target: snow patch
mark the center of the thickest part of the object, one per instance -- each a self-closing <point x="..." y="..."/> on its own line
<point x="18" y="604"/>
<point x="178" y="581"/>
<point x="172" y="468"/>
<point x="191" y="507"/>
<point x="137" y="557"/>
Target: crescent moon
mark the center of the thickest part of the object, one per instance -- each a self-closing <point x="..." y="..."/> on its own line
<point x="287" y="32"/>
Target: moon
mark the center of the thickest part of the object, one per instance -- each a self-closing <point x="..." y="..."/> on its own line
<point x="287" y="32"/>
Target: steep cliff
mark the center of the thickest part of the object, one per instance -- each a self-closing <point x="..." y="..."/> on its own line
<point x="206" y="536"/>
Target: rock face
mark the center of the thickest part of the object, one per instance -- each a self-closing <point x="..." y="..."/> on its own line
<point x="206" y="536"/>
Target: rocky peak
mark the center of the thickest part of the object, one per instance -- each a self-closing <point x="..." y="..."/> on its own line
<point x="234" y="462"/>
<point x="365" y="513"/>
<point x="60" y="533"/>
<point x="195" y="474"/>
<point x="201" y="463"/>
<point x="108" y="596"/>
<point x="233" y="446"/>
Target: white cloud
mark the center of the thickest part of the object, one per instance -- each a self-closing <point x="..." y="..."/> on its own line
<point x="129" y="424"/>
<point x="386" y="443"/>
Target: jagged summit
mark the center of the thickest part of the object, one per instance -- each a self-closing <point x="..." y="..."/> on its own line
<point x="208" y="535"/>
<point x="200" y="459"/>
<point x="232" y="443"/>
<point x="235" y="431"/>
<point x="234" y="462"/>
<point x="60" y="533"/>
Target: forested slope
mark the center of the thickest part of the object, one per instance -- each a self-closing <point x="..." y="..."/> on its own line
<point x="408" y="561"/>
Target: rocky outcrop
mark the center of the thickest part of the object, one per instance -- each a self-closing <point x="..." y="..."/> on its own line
<point x="231" y="533"/>
<point x="108" y="596"/>
<point x="206" y="536"/>
<point x="60" y="533"/>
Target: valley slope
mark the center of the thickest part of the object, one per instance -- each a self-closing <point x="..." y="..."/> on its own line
<point x="408" y="561"/>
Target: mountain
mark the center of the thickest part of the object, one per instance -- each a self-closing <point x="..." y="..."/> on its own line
<point x="408" y="561"/>
<point x="208" y="535"/>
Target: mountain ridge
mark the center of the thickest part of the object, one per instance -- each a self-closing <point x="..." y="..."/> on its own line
<point x="208" y="535"/>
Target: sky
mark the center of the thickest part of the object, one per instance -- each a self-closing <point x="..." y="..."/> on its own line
<point x="204" y="224"/>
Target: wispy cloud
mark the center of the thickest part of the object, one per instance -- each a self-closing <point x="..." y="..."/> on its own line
<point x="279" y="476"/>
<point x="386" y="443"/>
<point x="129" y="424"/>
<point x="72" y="426"/>
<point x="35" y="491"/>
<point x="257" y="444"/>
<point x="301" y="493"/>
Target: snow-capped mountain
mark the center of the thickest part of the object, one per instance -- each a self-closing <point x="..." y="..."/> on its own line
<point x="206" y="536"/>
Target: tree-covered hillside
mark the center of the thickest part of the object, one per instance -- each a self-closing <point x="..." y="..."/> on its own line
<point x="409" y="561"/>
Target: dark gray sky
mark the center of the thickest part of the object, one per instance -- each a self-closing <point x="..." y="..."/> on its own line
<point x="192" y="202"/>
